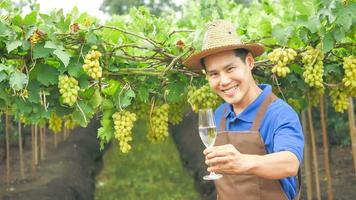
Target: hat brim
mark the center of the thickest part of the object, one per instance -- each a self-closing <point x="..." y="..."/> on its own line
<point x="193" y="62"/>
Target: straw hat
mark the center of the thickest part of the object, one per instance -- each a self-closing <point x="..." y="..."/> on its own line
<point x="220" y="36"/>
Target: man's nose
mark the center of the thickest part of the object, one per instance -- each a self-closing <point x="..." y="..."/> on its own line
<point x="224" y="80"/>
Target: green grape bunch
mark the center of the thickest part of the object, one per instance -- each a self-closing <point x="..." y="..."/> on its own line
<point x="123" y="124"/>
<point x="202" y="98"/>
<point x="295" y="104"/>
<point x="92" y="64"/>
<point x="69" y="122"/>
<point x="281" y="58"/>
<point x="339" y="99"/>
<point x="68" y="88"/>
<point x="176" y="112"/>
<point x="314" y="69"/>
<point x="313" y="96"/>
<point x="349" y="66"/>
<point x="158" y="123"/>
<point x="23" y="119"/>
<point x="141" y="108"/>
<point x="55" y="123"/>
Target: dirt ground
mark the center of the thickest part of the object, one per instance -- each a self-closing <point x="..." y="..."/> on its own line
<point x="342" y="173"/>
<point x="67" y="172"/>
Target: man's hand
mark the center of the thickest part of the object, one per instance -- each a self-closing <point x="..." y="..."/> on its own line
<point x="227" y="159"/>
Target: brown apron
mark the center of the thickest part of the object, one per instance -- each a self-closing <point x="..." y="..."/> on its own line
<point x="249" y="187"/>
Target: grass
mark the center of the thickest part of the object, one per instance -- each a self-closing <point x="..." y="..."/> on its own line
<point x="149" y="172"/>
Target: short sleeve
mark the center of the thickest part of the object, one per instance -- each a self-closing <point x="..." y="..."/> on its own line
<point x="289" y="134"/>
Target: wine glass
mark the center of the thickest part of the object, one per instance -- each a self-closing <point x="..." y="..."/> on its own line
<point x="208" y="133"/>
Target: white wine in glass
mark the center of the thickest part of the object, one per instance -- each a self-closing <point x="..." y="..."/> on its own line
<point x="208" y="133"/>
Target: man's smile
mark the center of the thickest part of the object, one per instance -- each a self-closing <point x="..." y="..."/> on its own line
<point x="230" y="91"/>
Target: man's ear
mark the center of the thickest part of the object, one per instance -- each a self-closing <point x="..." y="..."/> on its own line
<point x="250" y="61"/>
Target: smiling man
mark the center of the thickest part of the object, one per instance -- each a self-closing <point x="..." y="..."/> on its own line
<point x="259" y="148"/>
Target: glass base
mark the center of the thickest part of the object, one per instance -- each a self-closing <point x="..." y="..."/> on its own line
<point x="212" y="176"/>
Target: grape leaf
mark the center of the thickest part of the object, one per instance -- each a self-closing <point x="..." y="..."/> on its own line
<point x="63" y="56"/>
<point x="124" y="98"/>
<point x="3" y="76"/>
<point x="39" y="51"/>
<point x="75" y="68"/>
<point x="17" y="80"/>
<point x="12" y="45"/>
<point x="328" y="42"/>
<point x="47" y="75"/>
<point x="50" y="45"/>
<point x="4" y="30"/>
<point x="30" y="19"/>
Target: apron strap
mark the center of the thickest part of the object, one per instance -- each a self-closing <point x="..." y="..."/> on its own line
<point x="299" y="184"/>
<point x="223" y="121"/>
<point x="261" y="112"/>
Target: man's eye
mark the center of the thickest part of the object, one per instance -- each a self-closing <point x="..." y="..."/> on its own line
<point x="230" y="69"/>
<point x="213" y="74"/>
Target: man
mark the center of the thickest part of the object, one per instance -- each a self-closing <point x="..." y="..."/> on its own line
<point x="259" y="148"/>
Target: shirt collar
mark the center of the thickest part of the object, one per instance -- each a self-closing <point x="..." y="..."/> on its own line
<point x="250" y="112"/>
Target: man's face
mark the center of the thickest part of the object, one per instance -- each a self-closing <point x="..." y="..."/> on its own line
<point x="229" y="76"/>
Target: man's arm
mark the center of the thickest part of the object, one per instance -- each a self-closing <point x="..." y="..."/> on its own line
<point x="227" y="159"/>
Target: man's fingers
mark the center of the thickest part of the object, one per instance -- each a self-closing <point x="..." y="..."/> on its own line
<point x="215" y="154"/>
<point x="223" y="168"/>
<point x="217" y="160"/>
<point x="211" y="149"/>
<point x="217" y="148"/>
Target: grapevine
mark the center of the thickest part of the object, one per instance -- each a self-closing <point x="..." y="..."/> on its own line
<point x="148" y="53"/>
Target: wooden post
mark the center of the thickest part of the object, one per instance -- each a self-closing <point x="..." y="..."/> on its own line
<point x="307" y="158"/>
<point x="22" y="167"/>
<point x="64" y="133"/>
<point x="326" y="147"/>
<point x="55" y="140"/>
<point x="351" y="115"/>
<point x="7" y="133"/>
<point x="36" y="144"/>
<point x="45" y="142"/>
<point x="315" y="158"/>
<point x="33" y="147"/>
<point x="42" y="143"/>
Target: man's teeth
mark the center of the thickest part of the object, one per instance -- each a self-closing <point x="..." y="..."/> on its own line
<point x="230" y="89"/>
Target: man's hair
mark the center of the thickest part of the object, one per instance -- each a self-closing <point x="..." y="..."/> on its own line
<point x="241" y="53"/>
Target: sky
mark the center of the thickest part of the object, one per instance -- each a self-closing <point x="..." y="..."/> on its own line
<point x="90" y="6"/>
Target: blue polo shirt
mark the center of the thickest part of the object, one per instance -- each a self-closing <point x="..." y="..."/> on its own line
<point x="280" y="129"/>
